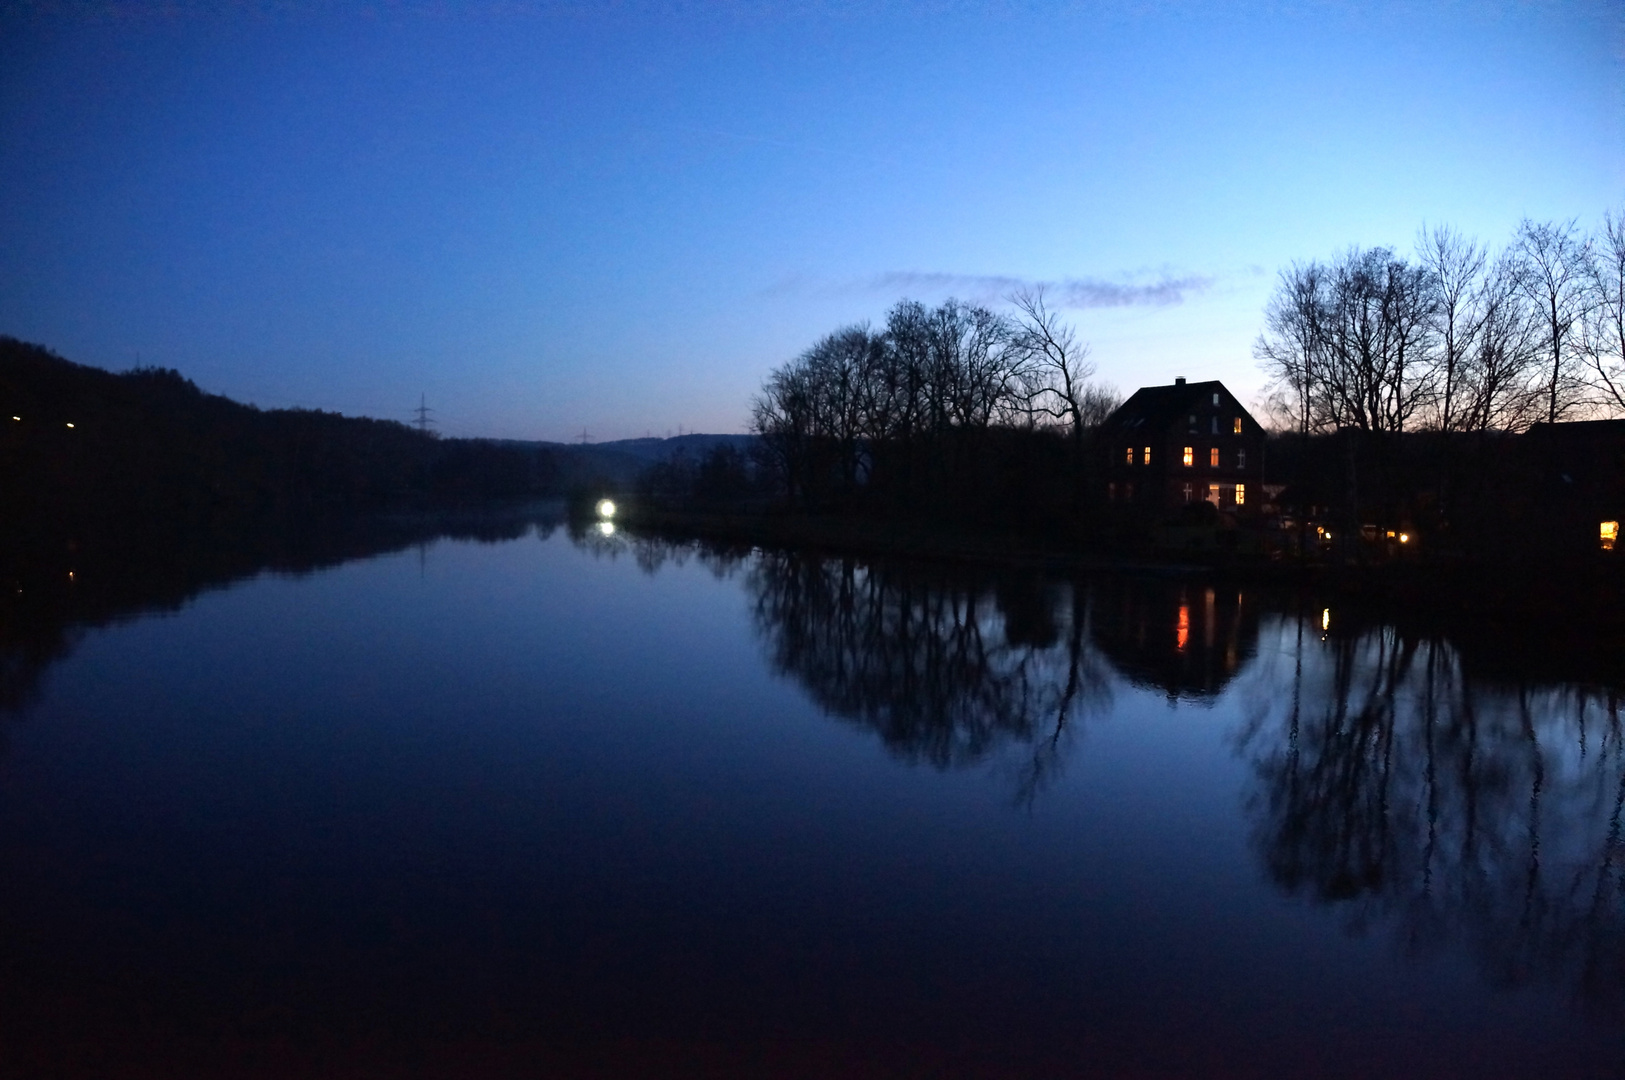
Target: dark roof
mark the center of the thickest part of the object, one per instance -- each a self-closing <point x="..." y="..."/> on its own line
<point x="1156" y="408"/>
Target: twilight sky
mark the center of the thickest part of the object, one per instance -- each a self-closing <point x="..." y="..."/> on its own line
<point x="552" y="218"/>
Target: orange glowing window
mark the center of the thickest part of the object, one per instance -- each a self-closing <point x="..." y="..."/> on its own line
<point x="1609" y="534"/>
<point x="1146" y="456"/>
<point x="1213" y="457"/>
<point x="1184" y="629"/>
<point x="1238" y="425"/>
<point x="1190" y="456"/>
<point x="1241" y="494"/>
<point x="1213" y="494"/>
<point x="1128" y="454"/>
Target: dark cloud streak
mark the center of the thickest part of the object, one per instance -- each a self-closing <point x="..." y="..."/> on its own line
<point x="1067" y="292"/>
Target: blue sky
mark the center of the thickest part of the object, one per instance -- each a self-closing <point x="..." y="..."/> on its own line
<point x="557" y="218"/>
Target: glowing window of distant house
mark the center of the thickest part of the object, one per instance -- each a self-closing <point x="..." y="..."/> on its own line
<point x="1128" y="453"/>
<point x="1190" y="456"/>
<point x="1241" y="459"/>
<point x="1609" y="534"/>
<point x="1188" y="493"/>
<point x="1241" y="494"/>
<point x="1146" y="456"/>
<point x="1213" y="457"/>
<point x="1238" y="425"/>
<point x="1213" y="494"/>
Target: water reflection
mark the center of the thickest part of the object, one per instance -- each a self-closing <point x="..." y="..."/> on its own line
<point x="947" y="666"/>
<point x="1391" y="782"/>
<point x="1408" y="794"/>
<point x="45" y="606"/>
<point x="1186" y="640"/>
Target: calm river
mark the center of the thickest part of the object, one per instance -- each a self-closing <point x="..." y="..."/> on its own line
<point x="549" y="804"/>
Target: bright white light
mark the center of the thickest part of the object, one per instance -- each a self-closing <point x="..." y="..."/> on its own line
<point x="1404" y="538"/>
<point x="606" y="509"/>
<point x="606" y="528"/>
<point x="70" y="425"/>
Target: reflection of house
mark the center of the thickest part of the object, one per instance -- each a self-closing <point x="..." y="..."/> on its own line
<point x="1579" y="473"/>
<point x="1168" y="446"/>
<point x="1187" y="640"/>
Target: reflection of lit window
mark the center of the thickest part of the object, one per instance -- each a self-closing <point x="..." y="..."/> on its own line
<point x="1213" y="494"/>
<point x="1190" y="456"/>
<point x="1609" y="534"/>
<point x="1241" y="459"/>
<point x="1213" y="457"/>
<point x="1241" y="494"/>
<point x="1184" y="626"/>
<point x="1147" y="456"/>
<point x="1238" y="425"/>
<point x="1128" y="454"/>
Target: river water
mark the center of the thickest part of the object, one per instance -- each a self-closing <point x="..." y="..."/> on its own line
<point x="566" y="803"/>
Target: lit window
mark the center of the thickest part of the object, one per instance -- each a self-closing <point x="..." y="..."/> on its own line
<point x="1215" y="397"/>
<point x="1190" y="456"/>
<point x="1128" y="452"/>
<point x="1241" y="494"/>
<point x="1147" y="457"/>
<point x="1238" y="425"/>
<point x="1609" y="533"/>
<point x="1241" y="459"/>
<point x="1213" y="457"/>
<point x="1213" y="494"/>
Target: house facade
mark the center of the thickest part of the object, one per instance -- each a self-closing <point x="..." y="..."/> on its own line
<point x="1172" y="446"/>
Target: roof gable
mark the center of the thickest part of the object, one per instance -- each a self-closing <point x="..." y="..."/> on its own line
<point x="1157" y="408"/>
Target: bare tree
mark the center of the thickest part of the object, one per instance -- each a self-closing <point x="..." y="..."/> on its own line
<point x="1457" y="267"/>
<point x="1603" y="330"/>
<point x="1057" y="364"/>
<point x="1290" y="348"/>
<point x="1552" y="260"/>
<point x="1500" y="388"/>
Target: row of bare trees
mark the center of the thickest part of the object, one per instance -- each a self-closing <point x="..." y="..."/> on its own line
<point x="857" y="408"/>
<point x="1455" y="338"/>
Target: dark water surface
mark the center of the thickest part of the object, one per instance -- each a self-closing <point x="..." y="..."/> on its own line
<point x="585" y="805"/>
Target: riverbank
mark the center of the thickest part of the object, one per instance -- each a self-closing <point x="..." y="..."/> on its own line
<point x="1576" y="603"/>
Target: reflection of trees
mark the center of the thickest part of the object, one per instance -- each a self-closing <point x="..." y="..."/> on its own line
<point x="1395" y="785"/>
<point x="946" y="666"/>
<point x="46" y="601"/>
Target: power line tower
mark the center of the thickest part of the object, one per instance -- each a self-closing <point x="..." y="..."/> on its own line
<point x="422" y="415"/>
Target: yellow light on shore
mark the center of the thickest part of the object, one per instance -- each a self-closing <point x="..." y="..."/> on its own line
<point x="606" y="528"/>
<point x="1326" y="619"/>
<point x="606" y="509"/>
<point x="1608" y="534"/>
<point x="70" y="425"/>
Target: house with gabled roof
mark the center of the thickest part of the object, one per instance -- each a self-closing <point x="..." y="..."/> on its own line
<point x="1172" y="446"/>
